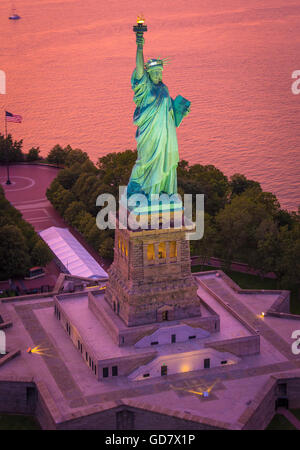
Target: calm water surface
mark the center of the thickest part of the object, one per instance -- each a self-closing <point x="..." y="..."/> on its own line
<point x="68" y="65"/>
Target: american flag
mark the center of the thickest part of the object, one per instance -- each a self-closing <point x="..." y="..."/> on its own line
<point x="9" y="117"/>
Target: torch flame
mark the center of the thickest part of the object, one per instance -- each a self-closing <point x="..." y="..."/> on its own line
<point x="140" y="19"/>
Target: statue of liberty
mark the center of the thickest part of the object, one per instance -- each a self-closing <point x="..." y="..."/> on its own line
<point x="156" y="115"/>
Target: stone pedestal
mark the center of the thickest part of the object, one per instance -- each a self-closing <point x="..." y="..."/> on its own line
<point x="150" y="279"/>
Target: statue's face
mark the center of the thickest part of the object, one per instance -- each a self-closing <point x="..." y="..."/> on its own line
<point x="155" y="75"/>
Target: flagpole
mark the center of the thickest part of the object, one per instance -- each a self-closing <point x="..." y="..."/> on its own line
<point x="5" y="124"/>
<point x="8" y="182"/>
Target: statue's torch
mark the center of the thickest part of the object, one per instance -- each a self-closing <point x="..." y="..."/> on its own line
<point x="140" y="28"/>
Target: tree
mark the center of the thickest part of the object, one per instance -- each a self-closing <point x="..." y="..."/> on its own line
<point x="73" y="211"/>
<point x="28" y="232"/>
<point x="268" y="247"/>
<point x="85" y="185"/>
<point x="106" y="248"/>
<point x="283" y="217"/>
<point x="8" y="214"/>
<point x="57" y="155"/>
<point x="33" y="154"/>
<point x="205" y="247"/>
<point x="288" y="266"/>
<point x="183" y="168"/>
<point x="75" y="156"/>
<point x="236" y="229"/>
<point x="54" y="186"/>
<point x="115" y="169"/>
<point x="10" y="150"/>
<point x="66" y="156"/>
<point x="207" y="180"/>
<point x="62" y="199"/>
<point x="239" y="184"/>
<point x="84" y="222"/>
<point x="95" y="237"/>
<point x="242" y="222"/>
<point x="267" y="199"/>
<point x="14" y="257"/>
<point x="68" y="176"/>
<point x="54" y="193"/>
<point x="89" y="167"/>
<point x="41" y="254"/>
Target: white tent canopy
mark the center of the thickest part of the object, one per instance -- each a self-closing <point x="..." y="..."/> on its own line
<point x="71" y="253"/>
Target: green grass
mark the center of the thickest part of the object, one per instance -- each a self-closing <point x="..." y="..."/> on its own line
<point x="296" y="413"/>
<point x="8" y="293"/>
<point x="203" y="268"/>
<point x="247" y="281"/>
<point x="18" y="422"/>
<point x="279" y="422"/>
<point x="244" y="280"/>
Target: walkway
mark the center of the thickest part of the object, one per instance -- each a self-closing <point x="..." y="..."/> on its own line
<point x="28" y="193"/>
<point x="55" y="364"/>
<point x="239" y="307"/>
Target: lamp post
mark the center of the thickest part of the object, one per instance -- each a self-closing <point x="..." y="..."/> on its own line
<point x="7" y="168"/>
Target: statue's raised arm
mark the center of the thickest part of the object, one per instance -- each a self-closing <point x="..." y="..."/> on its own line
<point x="139" y="56"/>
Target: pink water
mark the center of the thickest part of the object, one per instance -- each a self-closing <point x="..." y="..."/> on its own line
<point x="68" y="65"/>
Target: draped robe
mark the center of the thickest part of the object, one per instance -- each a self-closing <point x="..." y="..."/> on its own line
<point x="155" y="169"/>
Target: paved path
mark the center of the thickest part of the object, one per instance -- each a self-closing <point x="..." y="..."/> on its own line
<point x="28" y="193"/>
<point x="55" y="364"/>
<point x="264" y="330"/>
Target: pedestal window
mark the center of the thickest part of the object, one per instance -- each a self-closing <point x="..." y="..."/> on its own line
<point x="173" y="249"/>
<point x="164" y="370"/>
<point x="165" y="315"/>
<point x="150" y="252"/>
<point x="162" y="253"/>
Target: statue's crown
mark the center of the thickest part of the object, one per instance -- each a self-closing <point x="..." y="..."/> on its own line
<point x="155" y="63"/>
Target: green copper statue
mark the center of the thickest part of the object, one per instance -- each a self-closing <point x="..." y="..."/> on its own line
<point x="156" y="116"/>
